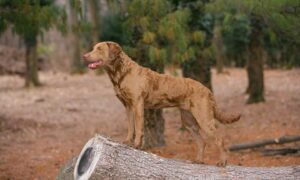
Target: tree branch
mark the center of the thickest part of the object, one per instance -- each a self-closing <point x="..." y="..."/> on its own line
<point x="260" y="143"/>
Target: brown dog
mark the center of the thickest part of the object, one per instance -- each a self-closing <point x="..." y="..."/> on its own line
<point x="138" y="88"/>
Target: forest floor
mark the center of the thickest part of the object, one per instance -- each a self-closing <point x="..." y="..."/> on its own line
<point x="41" y="128"/>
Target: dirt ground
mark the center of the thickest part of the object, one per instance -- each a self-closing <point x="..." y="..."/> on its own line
<point x="41" y="128"/>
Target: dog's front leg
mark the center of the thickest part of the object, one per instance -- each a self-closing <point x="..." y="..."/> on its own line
<point x="138" y="113"/>
<point x="130" y="135"/>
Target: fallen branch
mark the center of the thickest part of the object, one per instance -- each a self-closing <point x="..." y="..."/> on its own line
<point x="281" y="151"/>
<point x="256" y="144"/>
<point x="102" y="158"/>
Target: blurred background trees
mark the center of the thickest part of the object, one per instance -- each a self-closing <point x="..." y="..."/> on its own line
<point x="252" y="32"/>
<point x="29" y="19"/>
<point x="75" y="29"/>
<point x="199" y="34"/>
<point x="190" y="35"/>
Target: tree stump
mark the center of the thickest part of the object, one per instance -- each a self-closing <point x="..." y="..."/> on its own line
<point x="102" y="158"/>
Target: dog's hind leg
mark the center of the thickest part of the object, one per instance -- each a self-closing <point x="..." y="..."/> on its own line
<point x="203" y="113"/>
<point x="190" y="123"/>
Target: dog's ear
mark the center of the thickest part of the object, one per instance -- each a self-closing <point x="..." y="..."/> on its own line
<point x="114" y="49"/>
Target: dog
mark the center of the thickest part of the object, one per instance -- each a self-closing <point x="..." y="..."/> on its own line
<point x="138" y="87"/>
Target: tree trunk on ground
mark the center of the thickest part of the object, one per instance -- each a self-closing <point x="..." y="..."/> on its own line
<point x="198" y="70"/>
<point x="255" y="73"/>
<point x="255" y="61"/>
<point x="154" y="121"/>
<point x="154" y="128"/>
<point x="77" y="61"/>
<point x="94" y="9"/>
<point x="67" y="171"/>
<point x="217" y="40"/>
<point x="103" y="159"/>
<point x="31" y="78"/>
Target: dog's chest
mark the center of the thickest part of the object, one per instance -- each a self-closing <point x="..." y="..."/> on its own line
<point x="123" y="95"/>
<point x="118" y="91"/>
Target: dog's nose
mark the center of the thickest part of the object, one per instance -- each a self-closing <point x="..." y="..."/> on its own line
<point x="85" y="56"/>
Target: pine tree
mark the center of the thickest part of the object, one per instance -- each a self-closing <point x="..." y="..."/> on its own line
<point x="29" y="19"/>
<point x="200" y="32"/>
<point x="246" y="25"/>
<point x="77" y="27"/>
<point x="156" y="36"/>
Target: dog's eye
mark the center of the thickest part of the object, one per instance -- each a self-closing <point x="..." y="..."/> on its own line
<point x="98" y="48"/>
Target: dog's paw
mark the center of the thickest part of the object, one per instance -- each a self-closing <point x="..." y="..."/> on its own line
<point x="198" y="162"/>
<point x="137" y="144"/>
<point x="222" y="163"/>
<point x="128" y="142"/>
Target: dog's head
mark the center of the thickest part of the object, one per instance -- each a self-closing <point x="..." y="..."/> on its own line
<point x="103" y="54"/>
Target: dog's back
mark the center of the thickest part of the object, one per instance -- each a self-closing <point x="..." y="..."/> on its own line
<point x="167" y="91"/>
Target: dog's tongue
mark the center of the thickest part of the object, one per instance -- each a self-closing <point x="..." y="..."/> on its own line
<point x="94" y="65"/>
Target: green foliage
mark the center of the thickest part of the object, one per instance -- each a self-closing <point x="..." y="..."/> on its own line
<point x="80" y="26"/>
<point x="156" y="54"/>
<point x="30" y="18"/>
<point x="173" y="29"/>
<point x="278" y="21"/>
<point x="45" y="50"/>
<point x="198" y="37"/>
<point x="197" y="58"/>
<point x="199" y="31"/>
<point x="112" y="29"/>
<point x="156" y="34"/>
<point x="236" y="32"/>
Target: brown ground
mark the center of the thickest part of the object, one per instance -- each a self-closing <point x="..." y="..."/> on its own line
<point x="42" y="128"/>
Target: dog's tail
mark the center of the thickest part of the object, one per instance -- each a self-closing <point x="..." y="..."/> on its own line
<point x="224" y="118"/>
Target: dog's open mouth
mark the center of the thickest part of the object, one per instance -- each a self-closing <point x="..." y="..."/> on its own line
<point x="95" y="64"/>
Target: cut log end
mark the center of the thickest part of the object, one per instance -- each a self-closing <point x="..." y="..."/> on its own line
<point x="87" y="159"/>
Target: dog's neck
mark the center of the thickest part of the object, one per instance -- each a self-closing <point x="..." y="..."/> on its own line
<point x="119" y="68"/>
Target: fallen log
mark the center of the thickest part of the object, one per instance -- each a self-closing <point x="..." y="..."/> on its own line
<point x="280" y="151"/>
<point x="102" y="158"/>
<point x="66" y="172"/>
<point x="261" y="143"/>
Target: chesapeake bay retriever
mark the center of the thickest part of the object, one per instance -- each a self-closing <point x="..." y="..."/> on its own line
<point x="139" y="87"/>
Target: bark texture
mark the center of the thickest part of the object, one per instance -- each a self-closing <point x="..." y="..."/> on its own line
<point x="255" y="62"/>
<point x="94" y="10"/>
<point x="199" y="70"/>
<point x="78" y="66"/>
<point x="255" y="74"/>
<point x="218" y="41"/>
<point x="109" y="160"/>
<point x="67" y="171"/>
<point x="32" y="78"/>
<point x="154" y="125"/>
<point x="154" y="128"/>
